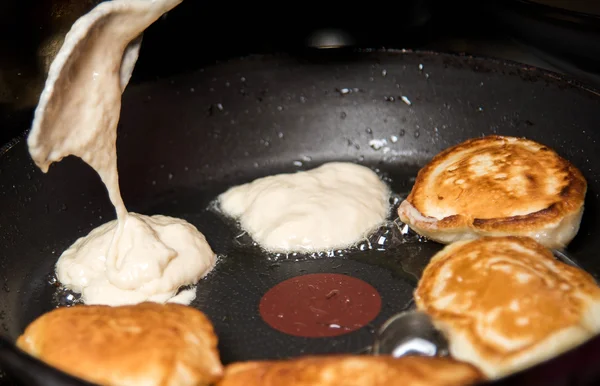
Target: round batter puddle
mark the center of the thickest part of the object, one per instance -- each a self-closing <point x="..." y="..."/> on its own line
<point x="320" y="305"/>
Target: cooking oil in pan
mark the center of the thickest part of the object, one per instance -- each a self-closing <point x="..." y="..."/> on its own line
<point x="388" y="235"/>
<point x="392" y="245"/>
<point x="63" y="297"/>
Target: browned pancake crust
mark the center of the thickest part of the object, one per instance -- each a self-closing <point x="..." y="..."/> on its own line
<point x="486" y="201"/>
<point x="530" y="294"/>
<point x="108" y="345"/>
<point x="348" y="370"/>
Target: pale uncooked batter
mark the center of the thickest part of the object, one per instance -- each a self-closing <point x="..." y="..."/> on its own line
<point x="330" y="207"/>
<point x="153" y="254"/>
<point x="134" y="258"/>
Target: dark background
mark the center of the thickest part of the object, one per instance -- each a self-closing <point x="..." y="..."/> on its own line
<point x="558" y="35"/>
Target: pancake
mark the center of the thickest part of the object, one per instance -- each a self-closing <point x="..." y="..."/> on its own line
<point x="505" y="303"/>
<point x="146" y="344"/>
<point x="158" y="256"/>
<point x="497" y="186"/>
<point x="332" y="206"/>
<point x="348" y="370"/>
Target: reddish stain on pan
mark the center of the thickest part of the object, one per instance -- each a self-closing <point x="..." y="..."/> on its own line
<point x="320" y="305"/>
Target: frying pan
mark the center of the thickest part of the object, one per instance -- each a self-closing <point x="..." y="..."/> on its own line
<point x="184" y="140"/>
<point x="563" y="33"/>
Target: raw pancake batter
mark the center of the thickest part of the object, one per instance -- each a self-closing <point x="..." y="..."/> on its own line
<point x="134" y="258"/>
<point x="330" y="207"/>
<point x="153" y="253"/>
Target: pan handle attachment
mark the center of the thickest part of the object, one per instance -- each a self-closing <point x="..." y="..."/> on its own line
<point x="27" y="370"/>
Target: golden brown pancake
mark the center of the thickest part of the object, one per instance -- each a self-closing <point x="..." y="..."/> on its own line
<point x="146" y="344"/>
<point x="351" y="370"/>
<point x="497" y="186"/>
<point x="505" y="303"/>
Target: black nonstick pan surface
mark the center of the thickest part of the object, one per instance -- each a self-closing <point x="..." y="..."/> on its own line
<point x="184" y="140"/>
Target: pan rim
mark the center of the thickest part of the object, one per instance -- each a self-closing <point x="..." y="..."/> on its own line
<point x="550" y="75"/>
